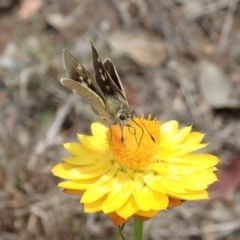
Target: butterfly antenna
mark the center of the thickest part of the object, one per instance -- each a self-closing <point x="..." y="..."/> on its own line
<point x="147" y="130"/>
<point x="134" y="133"/>
<point x="141" y="129"/>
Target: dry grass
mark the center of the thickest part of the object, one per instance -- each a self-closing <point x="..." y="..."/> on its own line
<point x="37" y="114"/>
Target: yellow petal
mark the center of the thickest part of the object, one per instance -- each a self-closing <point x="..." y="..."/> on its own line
<point x="100" y="187"/>
<point x="92" y="143"/>
<point x="61" y="168"/>
<point x="77" y="149"/>
<point x="78" y="184"/>
<point x="147" y="199"/>
<point x="95" y="206"/>
<point x="160" y="168"/>
<point x="86" y="159"/>
<point x="202" y="160"/>
<point x="154" y="182"/>
<point x="150" y="213"/>
<point x="99" y="163"/>
<point x="68" y="171"/>
<point x="99" y="131"/>
<point x="128" y="209"/>
<point x="191" y="195"/>
<point x="190" y="148"/>
<point x="169" y="127"/>
<point x="122" y="187"/>
<point x="173" y="186"/>
<point x="180" y="135"/>
<point x="94" y="193"/>
<point x="198" y="181"/>
<point x="193" y="138"/>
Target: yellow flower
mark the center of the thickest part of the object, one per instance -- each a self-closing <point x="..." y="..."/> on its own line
<point x="150" y="170"/>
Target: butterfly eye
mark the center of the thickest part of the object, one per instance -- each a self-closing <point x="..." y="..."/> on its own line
<point x="123" y="117"/>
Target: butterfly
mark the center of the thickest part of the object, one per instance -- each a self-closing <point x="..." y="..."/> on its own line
<point x="105" y="93"/>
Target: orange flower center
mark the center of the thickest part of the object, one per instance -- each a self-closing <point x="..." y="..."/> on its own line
<point x="136" y="145"/>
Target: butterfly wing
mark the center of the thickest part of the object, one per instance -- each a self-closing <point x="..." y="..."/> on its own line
<point x="81" y="82"/>
<point x="78" y="73"/>
<point x="103" y="79"/>
<point x="96" y="103"/>
<point x="110" y="67"/>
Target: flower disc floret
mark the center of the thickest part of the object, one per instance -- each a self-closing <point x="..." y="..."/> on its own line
<point x="136" y="145"/>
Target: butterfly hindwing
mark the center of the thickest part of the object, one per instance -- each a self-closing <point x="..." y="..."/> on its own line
<point x="89" y="96"/>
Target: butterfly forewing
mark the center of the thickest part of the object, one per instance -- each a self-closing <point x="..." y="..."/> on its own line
<point x="103" y="79"/>
<point x="80" y="81"/>
<point x="78" y="73"/>
<point x="110" y="67"/>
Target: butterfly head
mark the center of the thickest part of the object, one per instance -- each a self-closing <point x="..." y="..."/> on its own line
<point x="125" y="114"/>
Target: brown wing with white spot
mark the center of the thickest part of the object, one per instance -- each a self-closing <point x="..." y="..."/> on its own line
<point x="110" y="67"/>
<point x="80" y="81"/>
<point x="76" y="72"/>
<point x="103" y="79"/>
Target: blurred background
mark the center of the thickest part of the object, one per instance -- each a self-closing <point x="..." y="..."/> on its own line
<point x="178" y="59"/>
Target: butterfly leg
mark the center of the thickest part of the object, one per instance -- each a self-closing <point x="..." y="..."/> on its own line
<point x="147" y="131"/>
<point x="134" y="133"/>
<point x="110" y="127"/>
<point x="122" y="137"/>
<point x="138" y="142"/>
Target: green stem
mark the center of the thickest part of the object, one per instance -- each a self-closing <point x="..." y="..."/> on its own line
<point x="120" y="231"/>
<point x="138" y="229"/>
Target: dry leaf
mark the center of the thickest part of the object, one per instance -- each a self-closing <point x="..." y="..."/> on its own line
<point x="228" y="181"/>
<point x="215" y="85"/>
<point x="56" y="20"/>
<point x="145" y="49"/>
<point x="29" y="8"/>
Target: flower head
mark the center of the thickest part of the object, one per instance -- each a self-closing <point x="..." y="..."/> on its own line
<point x="150" y="170"/>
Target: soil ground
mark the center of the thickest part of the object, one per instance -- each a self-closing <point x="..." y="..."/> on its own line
<point x="177" y="59"/>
